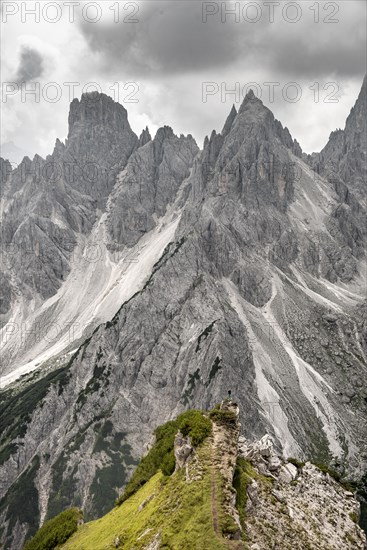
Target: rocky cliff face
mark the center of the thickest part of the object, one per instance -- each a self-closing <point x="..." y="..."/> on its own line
<point x="301" y="507"/>
<point x="149" y="184"/>
<point x="246" y="271"/>
<point x="69" y="225"/>
<point x="47" y="205"/>
<point x="344" y="156"/>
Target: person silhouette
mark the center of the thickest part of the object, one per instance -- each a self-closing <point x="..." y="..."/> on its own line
<point x="229" y="395"/>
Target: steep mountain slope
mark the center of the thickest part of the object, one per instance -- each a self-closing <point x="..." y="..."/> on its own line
<point x="68" y="259"/>
<point x="47" y="203"/>
<point x="187" y="511"/>
<point x="224" y="493"/>
<point x="344" y="156"/>
<point x="260" y="289"/>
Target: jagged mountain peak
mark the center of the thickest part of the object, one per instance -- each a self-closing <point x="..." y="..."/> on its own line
<point x="251" y="133"/>
<point x="343" y="158"/>
<point x="250" y="94"/>
<point x="233" y="266"/>
<point x="251" y="101"/>
<point x="91" y="99"/>
<point x="363" y="93"/>
<point x="163" y="133"/>
<point x="38" y="158"/>
<point x="5" y="171"/>
<point x="59" y="147"/>
<point x="356" y="120"/>
<point x="99" y="132"/>
<point x="25" y="162"/>
<point x="98" y="110"/>
<point x="166" y="133"/>
<point x="228" y="124"/>
<point x="257" y="122"/>
<point x="357" y="111"/>
<point x="144" y="137"/>
<point x="149" y="183"/>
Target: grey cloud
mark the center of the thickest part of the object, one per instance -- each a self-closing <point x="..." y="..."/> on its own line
<point x="305" y="61"/>
<point x="171" y="38"/>
<point x="310" y="50"/>
<point x="30" y="65"/>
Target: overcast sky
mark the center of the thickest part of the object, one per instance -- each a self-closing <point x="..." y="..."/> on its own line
<point x="175" y="62"/>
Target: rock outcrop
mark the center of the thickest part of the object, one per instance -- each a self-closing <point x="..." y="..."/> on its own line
<point x="48" y="204"/>
<point x="293" y="505"/>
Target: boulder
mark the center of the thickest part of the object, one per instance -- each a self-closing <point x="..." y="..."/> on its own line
<point x="288" y="472"/>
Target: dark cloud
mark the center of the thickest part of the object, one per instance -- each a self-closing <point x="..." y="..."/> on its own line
<point x="312" y="62"/>
<point x="171" y="38"/>
<point x="30" y="65"/>
<point x="308" y="49"/>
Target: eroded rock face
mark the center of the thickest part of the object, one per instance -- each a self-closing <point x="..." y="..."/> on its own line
<point x="343" y="157"/>
<point x="261" y="453"/>
<point x="48" y="203"/>
<point x="287" y="473"/>
<point x="302" y="507"/>
<point x="88" y="203"/>
<point x="148" y="185"/>
<point x="155" y="544"/>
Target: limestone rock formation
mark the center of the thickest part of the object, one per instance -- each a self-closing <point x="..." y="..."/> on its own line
<point x="49" y="203"/>
<point x="302" y="506"/>
<point x="343" y="156"/>
<point x="70" y="222"/>
<point x="150" y="182"/>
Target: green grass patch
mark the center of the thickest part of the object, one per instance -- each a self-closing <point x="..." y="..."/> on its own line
<point x="179" y="511"/>
<point x="242" y="478"/>
<point x="191" y="423"/>
<point x="243" y="475"/>
<point x="223" y="417"/>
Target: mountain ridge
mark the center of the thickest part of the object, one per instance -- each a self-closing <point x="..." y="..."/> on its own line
<point x="204" y="486"/>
